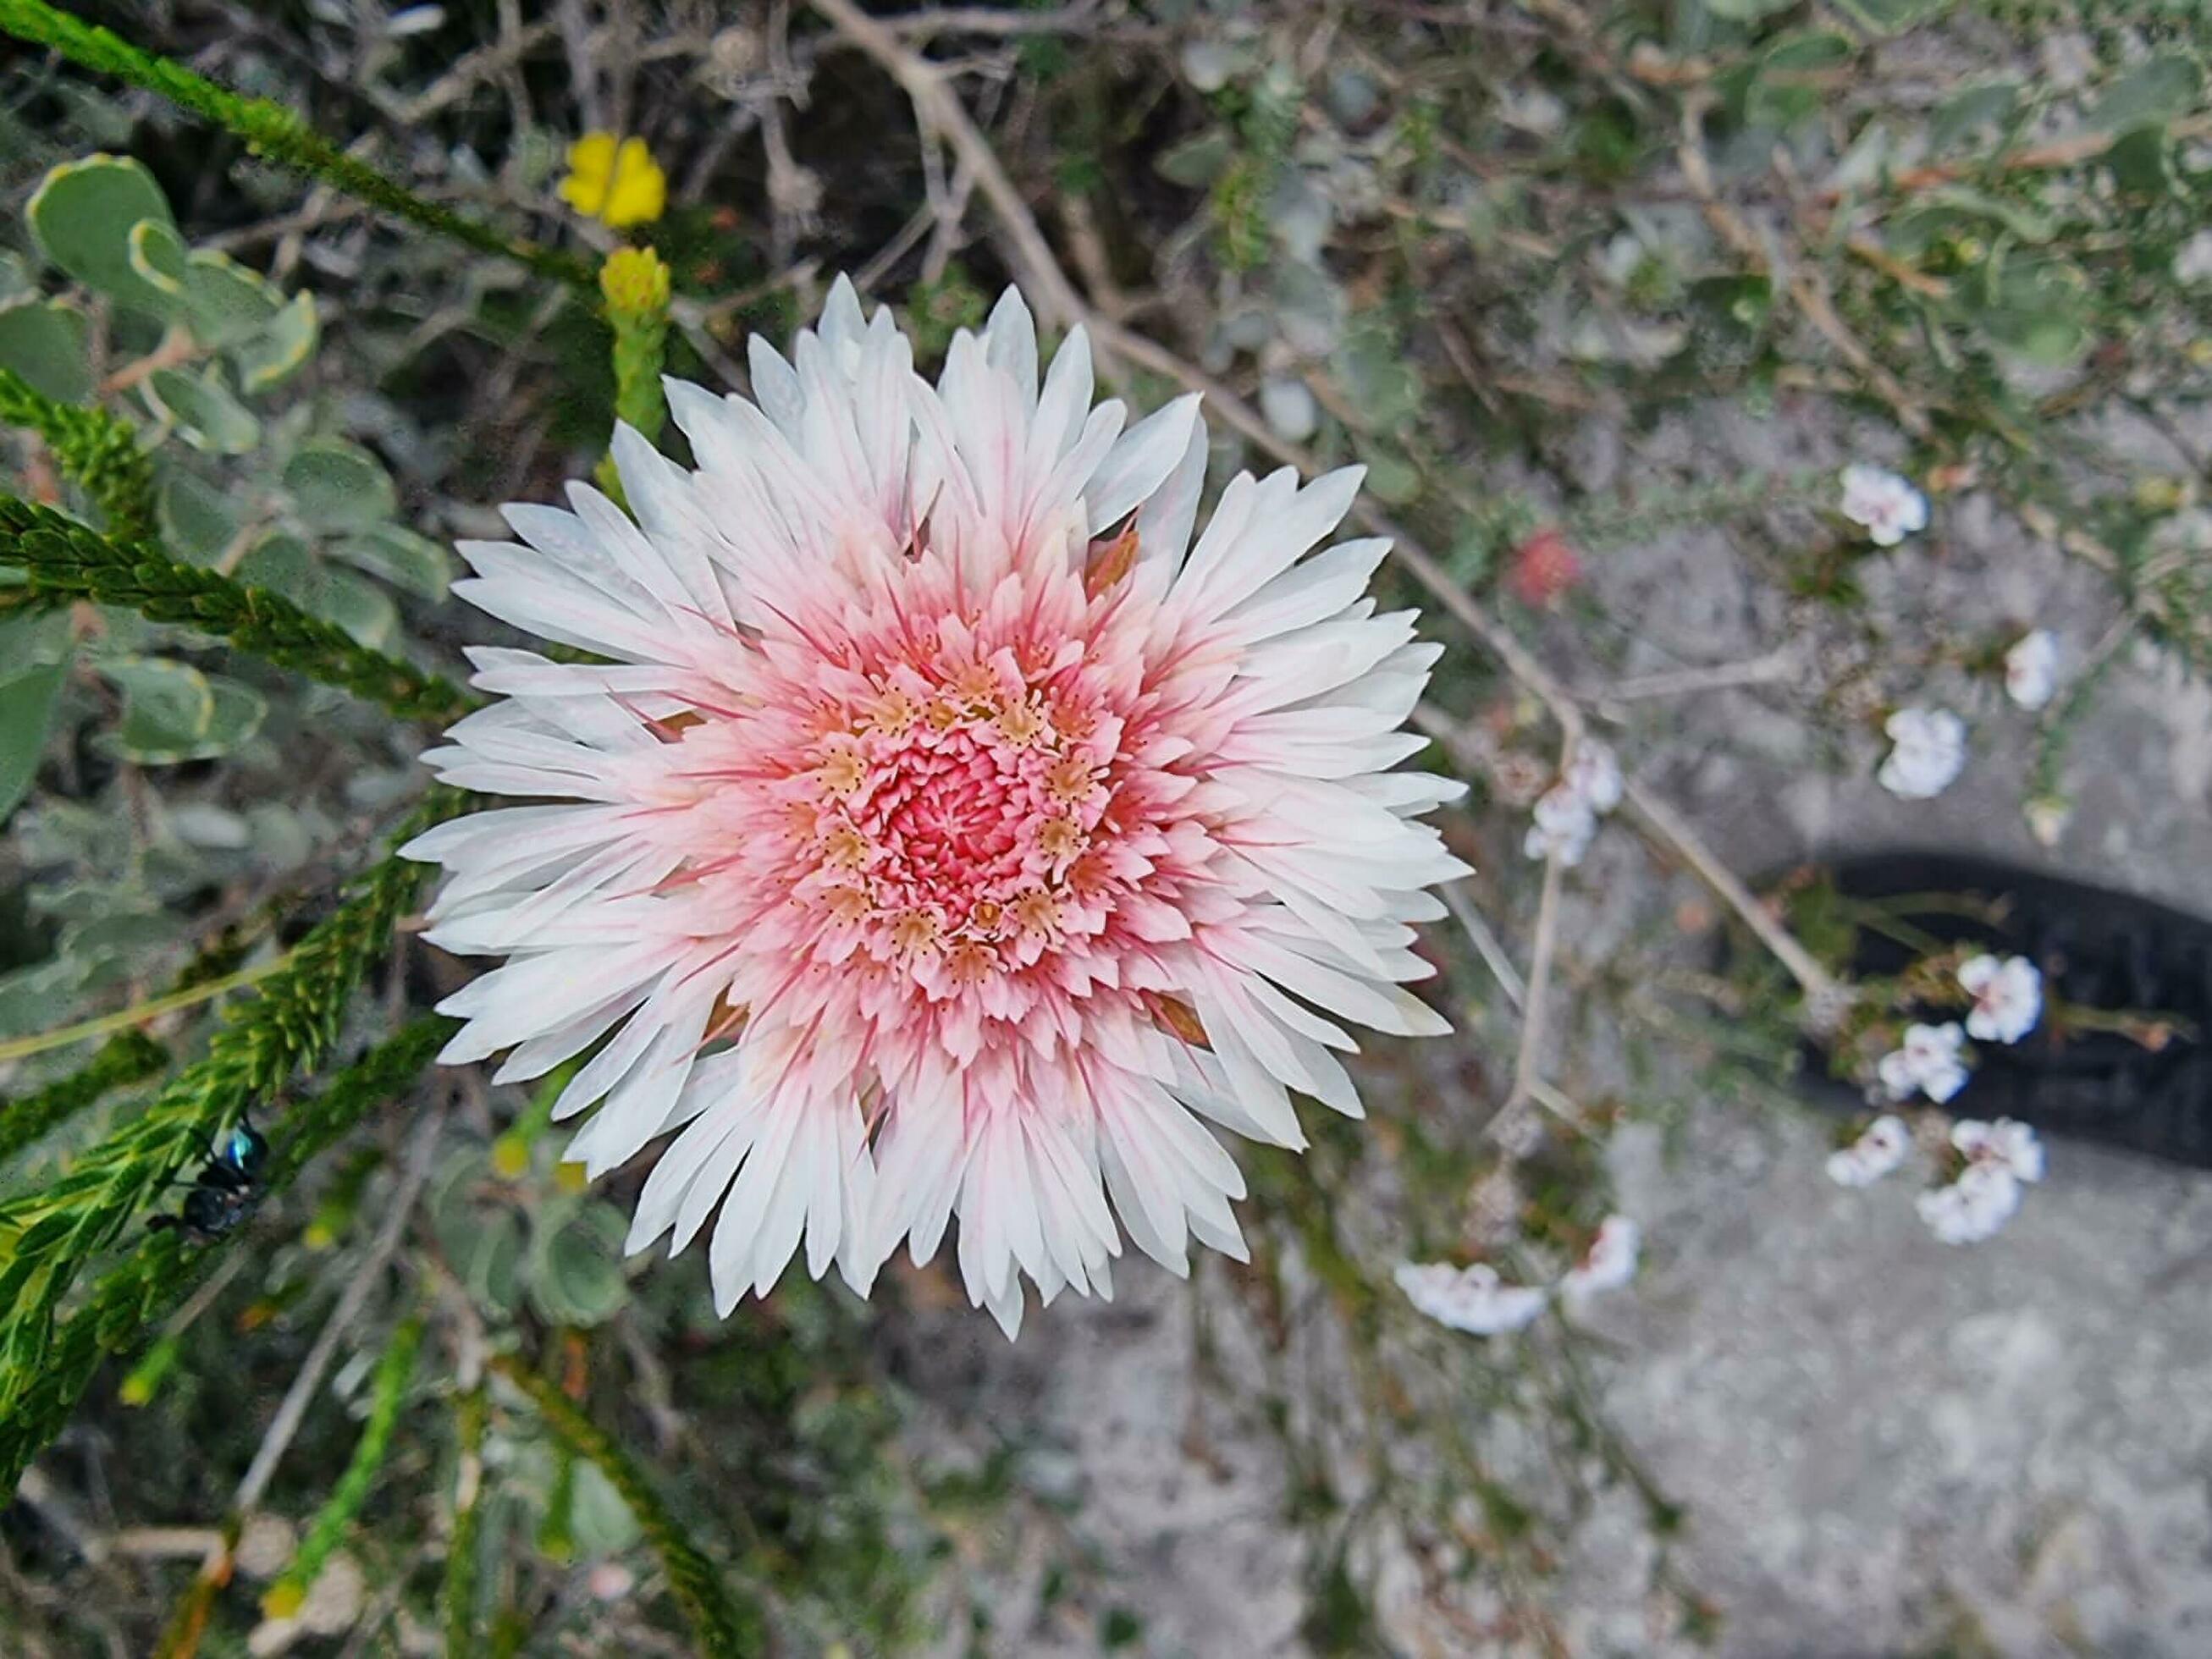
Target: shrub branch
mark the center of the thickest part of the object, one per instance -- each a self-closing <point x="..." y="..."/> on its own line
<point x="63" y="559"/>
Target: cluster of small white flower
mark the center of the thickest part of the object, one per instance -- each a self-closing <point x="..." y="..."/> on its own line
<point x="1931" y="1060"/>
<point x="1929" y="744"/>
<point x="1476" y="1300"/>
<point x="1888" y="506"/>
<point x="1929" y="750"/>
<point x="1566" y="814"/>
<point x="2000" y="1156"/>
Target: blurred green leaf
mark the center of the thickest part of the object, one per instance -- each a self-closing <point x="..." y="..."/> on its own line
<point x="285" y="564"/>
<point x="2154" y="91"/>
<point x="407" y="560"/>
<point x="47" y="342"/>
<point x="274" y="354"/>
<point x="1197" y="162"/>
<point x="158" y="255"/>
<point x="29" y="698"/>
<point x="1990" y="104"/>
<point x="1888" y="16"/>
<point x="204" y="410"/>
<point x="575" y="1271"/>
<point x="197" y="521"/>
<point x="82" y="216"/>
<point x="227" y="303"/>
<point x="336" y="485"/>
<point x="172" y="711"/>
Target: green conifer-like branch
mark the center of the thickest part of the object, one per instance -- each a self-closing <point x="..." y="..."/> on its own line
<point x="63" y="559"/>
<point x="274" y="132"/>
<point x="459" y="1591"/>
<point x="132" y="1297"/>
<point x="387" y="1392"/>
<point x="99" y="451"/>
<point x="47" y="1235"/>
<point x="723" y="1628"/>
<point x="126" y="1058"/>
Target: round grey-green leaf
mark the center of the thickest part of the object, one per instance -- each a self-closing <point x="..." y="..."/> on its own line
<point x="407" y="560"/>
<point x="28" y="699"/>
<point x="575" y="1271"/>
<point x="47" y="342"/>
<point x="82" y="218"/>
<point x="196" y="519"/>
<point x="203" y="409"/>
<point x="275" y="353"/>
<point x="336" y="485"/>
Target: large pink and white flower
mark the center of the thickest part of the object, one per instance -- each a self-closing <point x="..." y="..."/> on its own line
<point x="937" y="829"/>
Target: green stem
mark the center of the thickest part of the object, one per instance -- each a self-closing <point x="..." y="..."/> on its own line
<point x="386" y="1395"/>
<point x="270" y="129"/>
<point x="725" y="1630"/>
<point x="63" y="559"/>
<point x="63" y="1036"/>
<point x="99" y="451"/>
<point x="138" y="1291"/>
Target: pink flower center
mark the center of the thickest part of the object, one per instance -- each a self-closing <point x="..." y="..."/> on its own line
<point x="948" y="824"/>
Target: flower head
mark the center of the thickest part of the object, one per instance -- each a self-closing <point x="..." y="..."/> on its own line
<point x="1594" y="773"/>
<point x="2008" y="997"/>
<point x="617" y="183"/>
<point x="939" y="830"/>
<point x="1887" y="505"/>
<point x="1543" y="568"/>
<point x="1471" y="1299"/>
<point x="1929" y="751"/>
<point x="1609" y="1263"/>
<point x="1972" y="1208"/>
<point x="1930" y="1061"/>
<point x="2006" y="1145"/>
<point x="2030" y="668"/>
<point x="1880" y="1147"/>
<point x="1561" y="825"/>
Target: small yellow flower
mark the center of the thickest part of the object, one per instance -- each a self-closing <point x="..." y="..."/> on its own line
<point x="618" y="183"/>
<point x="635" y="282"/>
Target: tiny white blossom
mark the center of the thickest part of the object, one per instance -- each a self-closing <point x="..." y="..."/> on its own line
<point x="1973" y="1208"/>
<point x="1929" y="1060"/>
<point x="1563" y="824"/>
<point x="1930" y="749"/>
<point x="1471" y="1299"/>
<point x="1888" y="506"/>
<point x="2047" y="818"/>
<point x="1609" y="1263"/>
<point x="1880" y="1147"/>
<point x="2193" y="264"/>
<point x="2008" y="997"/>
<point x="2032" y="668"/>
<point x="1594" y="775"/>
<point x="2006" y="1145"/>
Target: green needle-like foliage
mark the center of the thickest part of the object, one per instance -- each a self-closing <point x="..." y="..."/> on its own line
<point x="63" y="559"/>
<point x="125" y="1058"/>
<point x="459" y="1591"/>
<point x="47" y="1235"/>
<point x="271" y="130"/>
<point x="162" y="1271"/>
<point x="386" y="1394"/>
<point x="97" y="450"/>
<point x="723" y="1629"/>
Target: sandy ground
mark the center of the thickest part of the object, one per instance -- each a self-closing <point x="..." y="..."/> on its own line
<point x="1887" y="1446"/>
